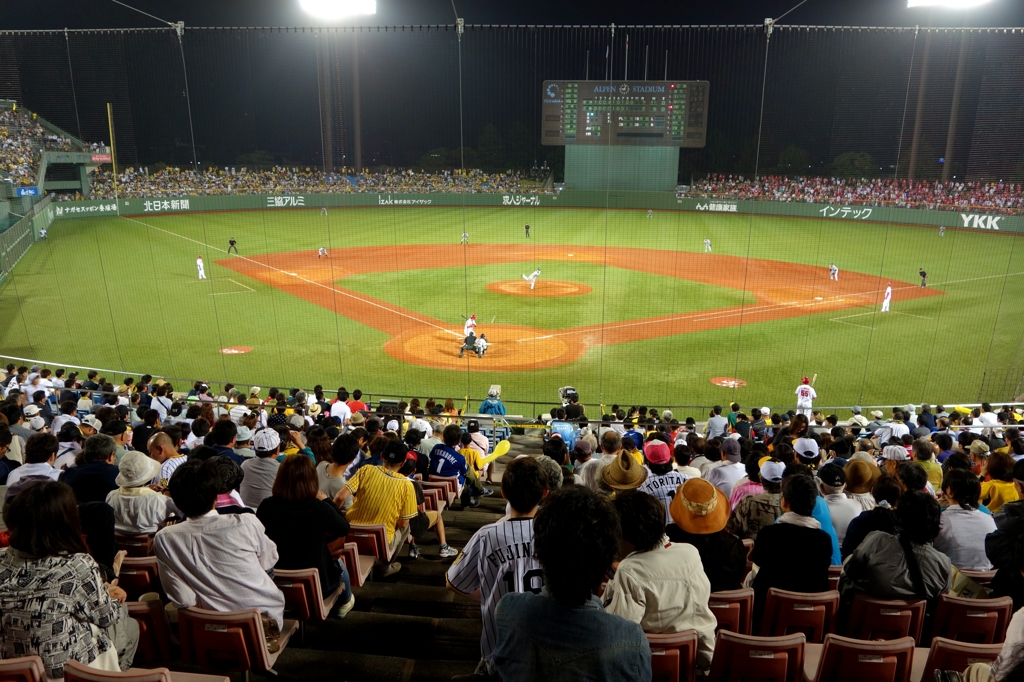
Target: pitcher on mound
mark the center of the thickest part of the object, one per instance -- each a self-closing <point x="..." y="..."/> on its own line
<point x="532" y="278"/>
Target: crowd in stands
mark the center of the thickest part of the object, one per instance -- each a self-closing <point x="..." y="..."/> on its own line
<point x="280" y="180"/>
<point x="989" y="197"/>
<point x="22" y="141"/>
<point x="624" y="527"/>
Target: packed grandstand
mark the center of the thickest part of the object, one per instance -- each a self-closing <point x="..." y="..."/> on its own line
<point x="225" y="501"/>
<point x="22" y="141"/>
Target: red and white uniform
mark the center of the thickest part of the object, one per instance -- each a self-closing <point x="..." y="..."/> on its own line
<point x="469" y="326"/>
<point x="805" y="396"/>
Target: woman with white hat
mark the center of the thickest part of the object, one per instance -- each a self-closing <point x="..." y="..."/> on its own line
<point x="138" y="509"/>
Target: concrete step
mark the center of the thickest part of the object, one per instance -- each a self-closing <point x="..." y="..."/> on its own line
<point x="386" y="634"/>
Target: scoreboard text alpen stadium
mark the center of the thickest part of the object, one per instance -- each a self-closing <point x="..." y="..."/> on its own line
<point x="637" y="113"/>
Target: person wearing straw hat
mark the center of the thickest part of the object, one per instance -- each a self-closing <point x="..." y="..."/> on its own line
<point x="659" y="584"/>
<point x="699" y="513"/>
<point x="138" y="509"/>
<point x="623" y="473"/>
<point x="860" y="478"/>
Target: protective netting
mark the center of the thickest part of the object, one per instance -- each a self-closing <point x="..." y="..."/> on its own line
<point x="413" y="156"/>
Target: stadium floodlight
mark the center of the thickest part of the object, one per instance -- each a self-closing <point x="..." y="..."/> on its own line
<point x="338" y="9"/>
<point x="947" y="4"/>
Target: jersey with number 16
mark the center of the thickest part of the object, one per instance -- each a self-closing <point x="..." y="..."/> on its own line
<point x="498" y="559"/>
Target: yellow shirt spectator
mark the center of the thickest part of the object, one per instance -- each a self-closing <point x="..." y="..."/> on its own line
<point x="473" y="457"/>
<point x="994" y="494"/>
<point x="381" y="496"/>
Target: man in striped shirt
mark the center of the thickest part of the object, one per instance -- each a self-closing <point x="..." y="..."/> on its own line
<point x="499" y="558"/>
<point x="383" y="496"/>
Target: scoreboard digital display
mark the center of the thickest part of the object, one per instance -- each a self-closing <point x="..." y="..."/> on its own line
<point x="635" y="113"/>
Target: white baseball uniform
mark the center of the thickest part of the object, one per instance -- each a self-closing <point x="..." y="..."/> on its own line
<point x="465" y="238"/>
<point x="468" y="327"/>
<point x="805" y="394"/>
<point x="322" y="252"/>
<point x="664" y="488"/>
<point x="833" y="273"/>
<point x="199" y="266"/>
<point x="650" y="213"/>
<point x="532" y="278"/>
<point x="707" y="246"/>
<point x="497" y="560"/>
<point x="886" y="299"/>
<point x="481" y="346"/>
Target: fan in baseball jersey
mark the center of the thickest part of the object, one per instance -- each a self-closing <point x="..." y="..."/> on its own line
<point x="664" y="488"/>
<point x="497" y="560"/>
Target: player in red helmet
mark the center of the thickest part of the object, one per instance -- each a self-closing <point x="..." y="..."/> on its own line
<point x="469" y="326"/>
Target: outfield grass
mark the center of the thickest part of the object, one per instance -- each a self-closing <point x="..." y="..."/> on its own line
<point x="122" y="294"/>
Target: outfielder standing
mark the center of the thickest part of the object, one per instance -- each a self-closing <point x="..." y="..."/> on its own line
<point x="942" y="230"/>
<point x="887" y="297"/>
<point x="199" y="266"/>
<point x="924" y="277"/>
<point x="805" y="396"/>
<point x="499" y="558"/>
<point x="707" y="246"/>
<point x="527" y="231"/>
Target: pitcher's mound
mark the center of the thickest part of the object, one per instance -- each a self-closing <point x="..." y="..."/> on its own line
<point x="545" y="288"/>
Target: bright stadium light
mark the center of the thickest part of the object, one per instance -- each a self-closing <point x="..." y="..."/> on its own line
<point x="947" y="4"/>
<point x="338" y="9"/>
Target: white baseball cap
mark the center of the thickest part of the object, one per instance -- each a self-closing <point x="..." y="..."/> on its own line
<point x="266" y="440"/>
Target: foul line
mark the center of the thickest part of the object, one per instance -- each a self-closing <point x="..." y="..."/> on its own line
<point x="307" y="281"/>
<point x="248" y="290"/>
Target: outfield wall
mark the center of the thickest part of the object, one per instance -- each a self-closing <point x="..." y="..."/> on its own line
<point x="659" y="201"/>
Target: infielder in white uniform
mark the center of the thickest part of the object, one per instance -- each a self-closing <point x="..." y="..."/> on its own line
<point x="465" y="238"/>
<point x="469" y="326"/>
<point x="707" y="246"/>
<point x="833" y="272"/>
<point x="532" y="278"/>
<point x="805" y="394"/>
<point x="322" y="253"/>
<point x="499" y="558"/>
<point x="200" y="268"/>
<point x="887" y="298"/>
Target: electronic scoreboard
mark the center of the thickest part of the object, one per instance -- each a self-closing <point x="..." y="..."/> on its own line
<point x="635" y="113"/>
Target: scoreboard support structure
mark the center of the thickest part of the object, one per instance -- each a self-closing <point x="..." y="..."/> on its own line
<point x="621" y="168"/>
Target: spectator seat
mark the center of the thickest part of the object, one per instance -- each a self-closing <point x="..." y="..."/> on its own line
<point x="981" y="621"/>
<point x="813" y="614"/>
<point x="843" y="659"/>
<point x="872" y="619"/>
<point x="231" y="641"/>
<point x="685" y="645"/>
<point x="139" y="575"/>
<point x="22" y="669"/>
<point x="946" y="654"/>
<point x="733" y="609"/>
<point x="741" y="658"/>
<point x="135" y="545"/>
<point x="79" y="672"/>
<point x="154" y="631"/>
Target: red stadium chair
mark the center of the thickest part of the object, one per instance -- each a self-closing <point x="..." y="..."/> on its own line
<point x="841" y="659"/>
<point x="980" y="577"/>
<point x="360" y="567"/>
<point x="441" y="488"/>
<point x="79" y="672"/>
<point x="154" y="631"/>
<point x="22" y="669"/>
<point x="788" y="612"/>
<point x="872" y="619"/>
<point x="231" y="641"/>
<point x="665" y="666"/>
<point x="739" y="658"/>
<point x="733" y="609"/>
<point x="432" y="500"/>
<point x="138" y="576"/>
<point x="981" y="621"/>
<point x="451" y="481"/>
<point x="303" y="598"/>
<point x="945" y="654"/>
<point x="685" y="645"/>
<point x="135" y="545"/>
<point x="371" y="540"/>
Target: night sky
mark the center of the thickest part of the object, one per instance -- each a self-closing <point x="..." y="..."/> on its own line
<point x="50" y="14"/>
<point x="288" y="96"/>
